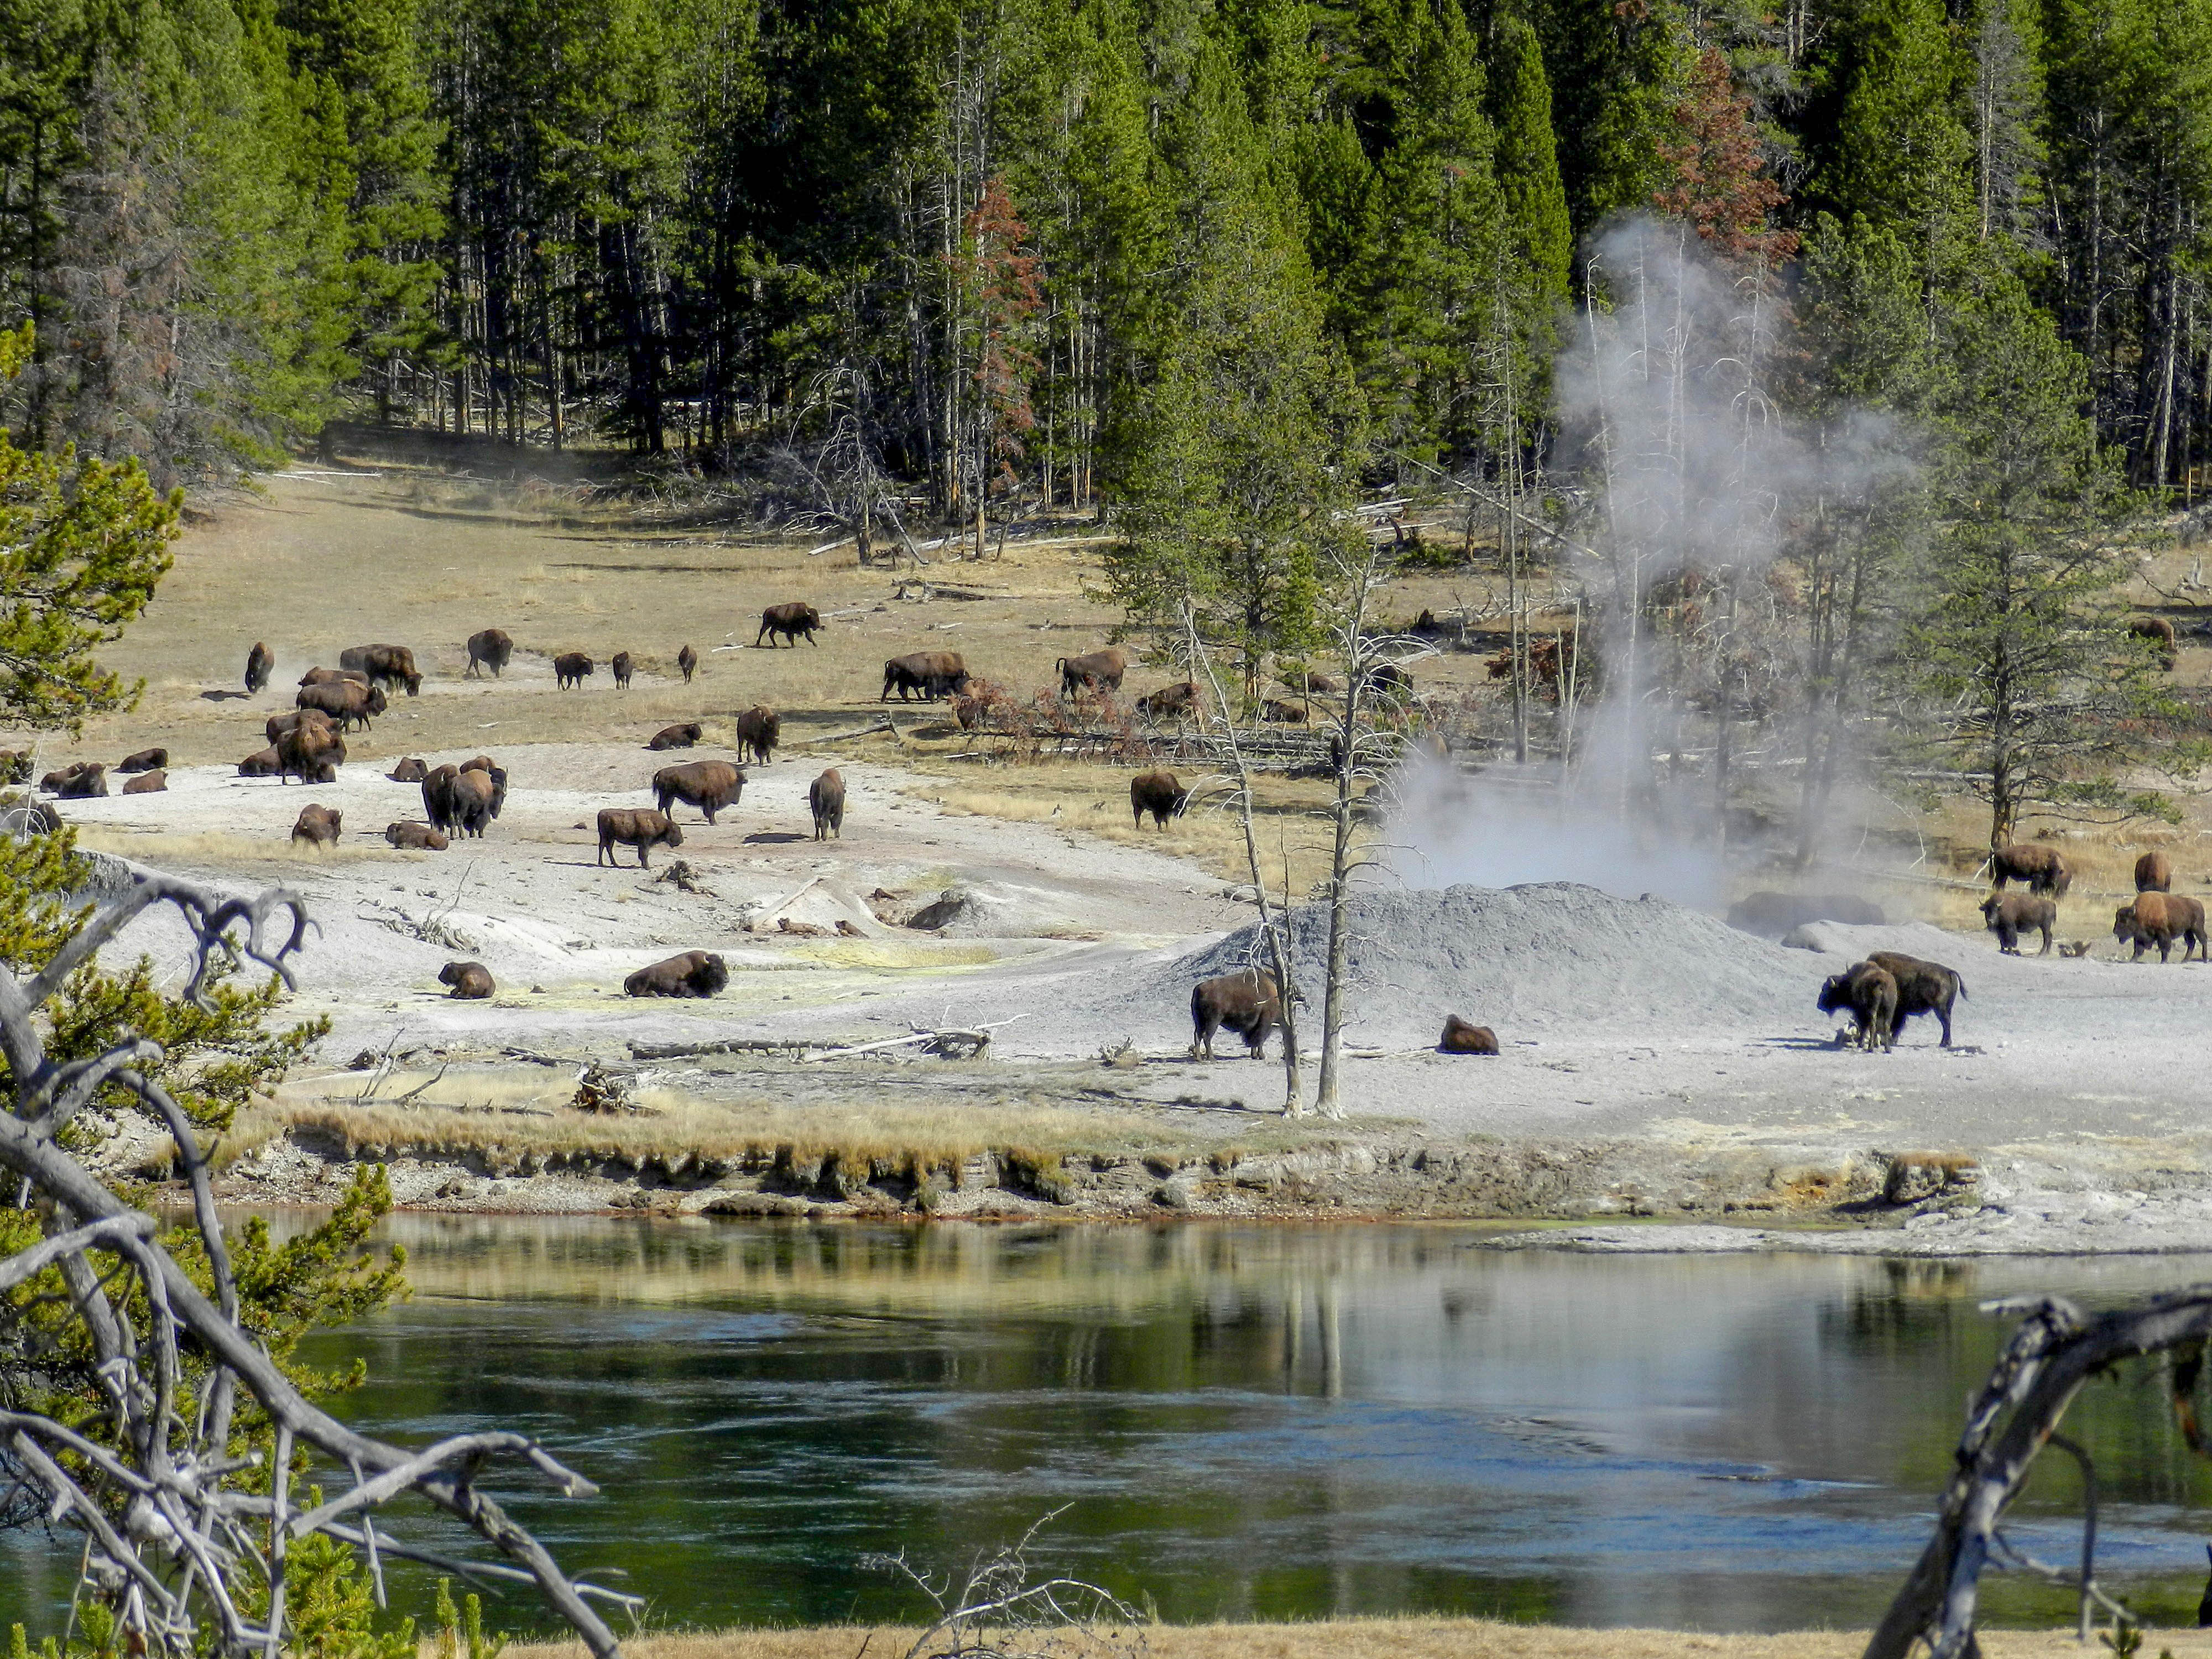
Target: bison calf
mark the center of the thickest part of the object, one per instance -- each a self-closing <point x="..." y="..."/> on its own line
<point x="1462" y="1038"/>
<point x="1869" y="993"/>
<point x="1246" y="1003"/>
<point x="1159" y="793"/>
<point x="2153" y="873"/>
<point x="148" y="783"/>
<point x="676" y="737"/>
<point x="471" y="980"/>
<point x="693" y="973"/>
<point x="570" y="669"/>
<point x="146" y="760"/>
<point x="317" y="826"/>
<point x="2006" y="915"/>
<point x="2159" y="919"/>
<point x="489" y="648"/>
<point x="640" y="827"/>
<point x="825" y="796"/>
<point x="417" y="837"/>
<point x="1922" y="986"/>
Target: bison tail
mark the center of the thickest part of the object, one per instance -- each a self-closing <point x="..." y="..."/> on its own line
<point x="1960" y="983"/>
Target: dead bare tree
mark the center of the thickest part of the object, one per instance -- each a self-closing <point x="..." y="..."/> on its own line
<point x="998" y="1608"/>
<point x="188" y="1527"/>
<point x="2056" y="1351"/>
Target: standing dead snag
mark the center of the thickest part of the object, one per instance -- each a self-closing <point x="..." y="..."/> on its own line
<point x="2055" y="1351"/>
<point x="159" y="1483"/>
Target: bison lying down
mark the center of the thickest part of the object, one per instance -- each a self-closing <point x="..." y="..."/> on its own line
<point x="1462" y="1038"/>
<point x="2007" y="915"/>
<point x="317" y="826"/>
<point x="146" y="760"/>
<point x="676" y="737"/>
<point x="1245" y="1002"/>
<point x="693" y="973"/>
<point x="419" y="837"/>
<point x="148" y="783"/>
<point x="471" y="980"/>
<point x="1170" y="701"/>
<point x="1869" y="992"/>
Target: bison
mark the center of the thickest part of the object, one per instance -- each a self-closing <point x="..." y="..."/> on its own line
<point x="146" y="760"/>
<point x="317" y="825"/>
<point x="346" y="701"/>
<point x="789" y="621"/>
<point x="263" y="764"/>
<point x="413" y="769"/>
<point x="1313" y="685"/>
<point x="639" y="827"/>
<point x="1277" y="712"/>
<point x="471" y="980"/>
<point x="624" y="666"/>
<point x="933" y="673"/>
<point x="570" y="669"/>
<point x="333" y="676"/>
<point x="1158" y="794"/>
<point x="313" y="749"/>
<point x="758" y="731"/>
<point x="2153" y="873"/>
<point x="278" y="725"/>
<point x="488" y="647"/>
<point x="687" y="660"/>
<point x="476" y="798"/>
<point x="1099" y="670"/>
<point x="1869" y="992"/>
<point x="1923" y="987"/>
<point x="825" y="796"/>
<point x="693" y="973"/>
<point x="477" y="763"/>
<point x="676" y="737"/>
<point x="1246" y="1002"/>
<point x="1178" y="701"/>
<point x="148" y="783"/>
<point x="259" y="665"/>
<point x="2007" y="915"/>
<point x="2157" y="633"/>
<point x="61" y="774"/>
<point x="1388" y="681"/>
<point x="2041" y="869"/>
<point x="1462" y="1038"/>
<point x="438" y="799"/>
<point x="2159" y="919"/>
<point x="710" y="786"/>
<point x="391" y="665"/>
<point x="417" y="837"/>
<point x="85" y="781"/>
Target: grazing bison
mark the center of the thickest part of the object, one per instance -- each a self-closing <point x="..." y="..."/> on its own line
<point x="624" y="666"/>
<point x="259" y="665"/>
<point x="758" y="731"/>
<point x="676" y="737"/>
<point x="1923" y="987"/>
<point x="825" y="796"/>
<point x="1771" y="914"/>
<point x="413" y="769"/>
<point x="2040" y="868"/>
<point x="263" y="764"/>
<point x="1282" y="714"/>
<point x="2159" y="919"/>
<point x="789" y="621"/>
<point x="1158" y="794"/>
<point x="933" y="673"/>
<point x="2153" y="873"/>
<point x="2009" y="914"/>
<point x="1462" y="1038"/>
<point x="570" y="669"/>
<point x="1869" y="992"/>
<point x="639" y="827"/>
<point x="148" y="783"/>
<point x="84" y="781"/>
<point x="313" y="749"/>
<point x="710" y="786"/>
<point x="488" y="647"/>
<point x="1178" y="701"/>
<point x="1245" y="1002"/>
<point x="419" y="837"/>
<point x="475" y="798"/>
<point x="391" y="665"/>
<point x="2157" y="633"/>
<point x="693" y="973"/>
<point x="1100" y="671"/>
<point x="317" y="826"/>
<point x="346" y="701"/>
<point x="146" y="760"/>
<point x="471" y="980"/>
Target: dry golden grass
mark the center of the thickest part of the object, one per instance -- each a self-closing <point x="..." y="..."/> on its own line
<point x="1364" y="1638"/>
<point x="227" y="848"/>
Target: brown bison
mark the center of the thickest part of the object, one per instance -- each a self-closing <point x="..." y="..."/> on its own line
<point x="346" y="701"/>
<point x="1313" y="685"/>
<point x="438" y="799"/>
<point x="413" y="769"/>
<point x="570" y="669"/>
<point x="1158" y="794"/>
<point x="2007" y="915"/>
<point x="1277" y="712"/>
<point x="148" y="783"/>
<point x="85" y="781"/>
<point x="333" y="676"/>
<point x="758" y="731"/>
<point x="263" y="764"/>
<point x="471" y="980"/>
<point x="314" y="749"/>
<point x="693" y="973"/>
<point x="2159" y="919"/>
<point x="488" y="647"/>
<point x="710" y="786"/>
<point x="825" y="797"/>
<point x="676" y="737"/>
<point x="389" y="665"/>
<point x="623" y="666"/>
<point x="61" y="774"/>
<point x="477" y="763"/>
<point x="1869" y="993"/>
<point x="2040" y="868"/>
<point x="2153" y="873"/>
<point x="1388" y="681"/>
<point x="278" y="725"/>
<point x="1245" y="1002"/>
<point x="476" y="798"/>
<point x="1178" y="701"/>
<point x="317" y="826"/>
<point x="146" y="760"/>
<point x="933" y="673"/>
<point x="259" y="665"/>
<point x="639" y="827"/>
<point x="1100" y="671"/>
<point x="2157" y="633"/>
<point x="687" y="661"/>
<point x="416" y="838"/>
<point x="1462" y="1038"/>
<point x="789" y="621"/>
<point x="1923" y="987"/>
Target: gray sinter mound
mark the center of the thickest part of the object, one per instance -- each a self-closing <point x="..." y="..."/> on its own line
<point x="1545" y="957"/>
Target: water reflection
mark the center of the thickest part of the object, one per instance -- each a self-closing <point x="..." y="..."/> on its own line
<point x="1255" y="1423"/>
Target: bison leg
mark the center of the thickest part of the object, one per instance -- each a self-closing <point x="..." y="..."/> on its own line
<point x="2045" y="951"/>
<point x="606" y="846"/>
<point x="1944" y="1014"/>
<point x="642" y="847"/>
